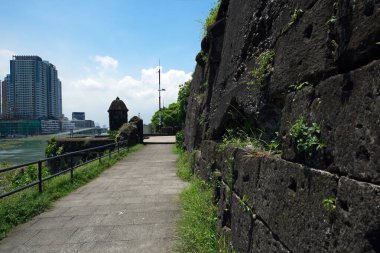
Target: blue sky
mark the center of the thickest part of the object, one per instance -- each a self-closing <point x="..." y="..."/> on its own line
<point x="104" y="49"/>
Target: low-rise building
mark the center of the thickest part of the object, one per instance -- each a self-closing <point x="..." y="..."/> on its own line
<point x="83" y="123"/>
<point x="78" y="116"/>
<point x="67" y="126"/>
<point x="50" y="126"/>
<point x="20" y="127"/>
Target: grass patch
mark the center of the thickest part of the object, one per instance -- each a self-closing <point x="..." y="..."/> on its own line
<point x="197" y="227"/>
<point x="184" y="171"/>
<point x="23" y="206"/>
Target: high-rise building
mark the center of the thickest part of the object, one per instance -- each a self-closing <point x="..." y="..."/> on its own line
<point x="34" y="90"/>
<point x="4" y="97"/>
<point x="1" y="99"/>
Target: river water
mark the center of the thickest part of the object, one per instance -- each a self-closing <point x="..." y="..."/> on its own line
<point x="23" y="150"/>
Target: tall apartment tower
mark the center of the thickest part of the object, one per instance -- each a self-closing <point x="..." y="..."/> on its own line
<point x="34" y="90"/>
<point x="1" y="99"/>
<point x="5" y="97"/>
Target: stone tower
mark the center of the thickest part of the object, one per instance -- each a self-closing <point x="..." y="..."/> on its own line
<point x="118" y="114"/>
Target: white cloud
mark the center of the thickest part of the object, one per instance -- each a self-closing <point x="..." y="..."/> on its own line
<point x="5" y="56"/>
<point x="89" y="83"/>
<point x="94" y="94"/>
<point x="107" y="62"/>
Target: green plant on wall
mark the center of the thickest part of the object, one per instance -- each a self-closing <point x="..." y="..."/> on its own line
<point x="333" y="46"/>
<point x="204" y="57"/>
<point x="211" y="18"/>
<point x="244" y="204"/>
<point x="296" y="15"/>
<point x="329" y="204"/>
<point x="331" y="22"/>
<point x="263" y="69"/>
<point x="307" y="137"/>
<point x="274" y="145"/>
<point x="298" y="86"/>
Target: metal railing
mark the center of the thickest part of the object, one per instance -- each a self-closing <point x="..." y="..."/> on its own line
<point x="100" y="153"/>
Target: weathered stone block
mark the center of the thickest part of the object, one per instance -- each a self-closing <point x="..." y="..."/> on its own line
<point x="288" y="197"/>
<point x="263" y="240"/>
<point x="347" y="107"/>
<point x="357" y="225"/>
<point x="208" y="150"/>
<point x="247" y="170"/>
<point x="225" y="162"/>
<point x="241" y="226"/>
<point x="357" y="33"/>
<point x="224" y="207"/>
<point x="302" y="49"/>
<point x="202" y="169"/>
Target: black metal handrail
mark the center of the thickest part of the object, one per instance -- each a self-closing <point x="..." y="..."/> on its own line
<point x="117" y="146"/>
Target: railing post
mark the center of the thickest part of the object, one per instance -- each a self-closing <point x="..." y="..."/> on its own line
<point x="40" y="176"/>
<point x="71" y="168"/>
<point x="118" y="147"/>
<point x="100" y="157"/>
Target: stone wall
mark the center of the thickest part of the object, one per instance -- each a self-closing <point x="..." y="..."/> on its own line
<point x="268" y="204"/>
<point x="333" y="48"/>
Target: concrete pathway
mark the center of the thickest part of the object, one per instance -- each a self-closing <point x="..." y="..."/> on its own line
<point x="131" y="207"/>
<point x="160" y="140"/>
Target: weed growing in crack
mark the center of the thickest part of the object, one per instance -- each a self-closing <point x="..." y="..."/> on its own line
<point x="263" y="69"/>
<point x="297" y="13"/>
<point x="307" y="137"/>
<point x="331" y="22"/>
<point x="329" y="204"/>
<point x="244" y="204"/>
<point x="298" y="86"/>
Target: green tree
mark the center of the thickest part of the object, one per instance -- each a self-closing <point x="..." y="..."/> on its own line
<point x="53" y="149"/>
<point x="175" y="114"/>
<point x="183" y="94"/>
<point x="169" y="116"/>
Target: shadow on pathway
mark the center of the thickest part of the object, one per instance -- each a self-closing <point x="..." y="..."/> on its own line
<point x="131" y="207"/>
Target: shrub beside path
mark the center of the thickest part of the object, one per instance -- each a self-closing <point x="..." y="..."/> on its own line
<point x="131" y="207"/>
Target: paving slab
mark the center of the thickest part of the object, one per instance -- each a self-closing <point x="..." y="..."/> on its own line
<point x="132" y="207"/>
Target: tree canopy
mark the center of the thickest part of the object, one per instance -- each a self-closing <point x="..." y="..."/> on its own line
<point x="175" y="114"/>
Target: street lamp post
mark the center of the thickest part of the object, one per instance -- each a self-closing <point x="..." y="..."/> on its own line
<point x="159" y="97"/>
